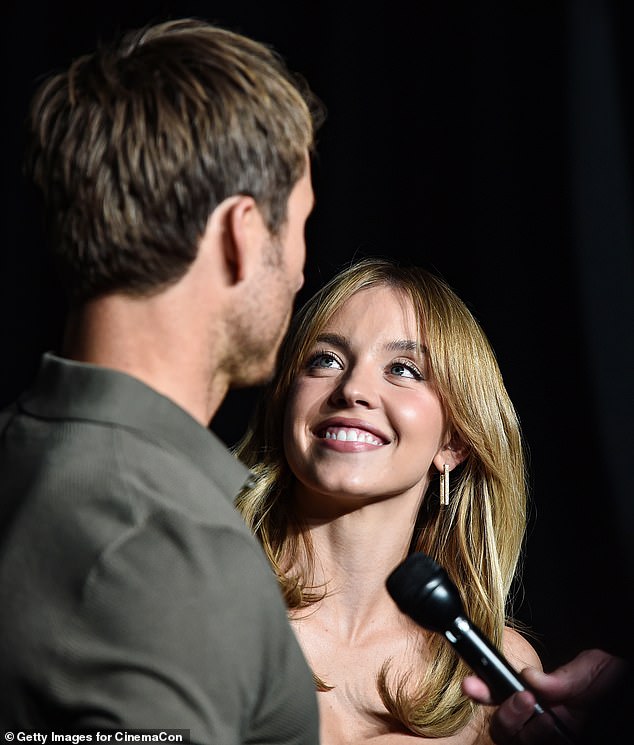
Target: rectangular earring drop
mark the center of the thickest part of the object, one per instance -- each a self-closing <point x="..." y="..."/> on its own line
<point x="444" y="486"/>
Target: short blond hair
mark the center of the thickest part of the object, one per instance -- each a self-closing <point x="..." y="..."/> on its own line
<point x="134" y="145"/>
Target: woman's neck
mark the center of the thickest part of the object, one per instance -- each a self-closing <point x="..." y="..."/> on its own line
<point x="354" y="554"/>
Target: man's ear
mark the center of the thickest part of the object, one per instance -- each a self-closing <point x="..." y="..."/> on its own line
<point x="238" y="232"/>
<point x="451" y="454"/>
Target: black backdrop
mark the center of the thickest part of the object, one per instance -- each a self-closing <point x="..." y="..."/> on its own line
<point x="489" y="141"/>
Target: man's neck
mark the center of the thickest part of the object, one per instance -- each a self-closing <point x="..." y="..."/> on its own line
<point x="147" y="340"/>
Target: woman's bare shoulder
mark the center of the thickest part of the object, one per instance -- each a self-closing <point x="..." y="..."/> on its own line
<point x="519" y="651"/>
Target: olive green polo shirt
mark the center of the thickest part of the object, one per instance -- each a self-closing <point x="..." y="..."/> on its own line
<point x="131" y="592"/>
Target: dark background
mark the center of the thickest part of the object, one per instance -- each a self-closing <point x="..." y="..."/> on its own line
<point x="489" y="141"/>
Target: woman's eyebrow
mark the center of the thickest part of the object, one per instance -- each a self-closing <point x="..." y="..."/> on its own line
<point x="397" y="345"/>
<point x="336" y="340"/>
<point x="405" y="345"/>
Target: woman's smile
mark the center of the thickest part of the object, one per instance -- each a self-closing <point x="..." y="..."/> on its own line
<point x="350" y="435"/>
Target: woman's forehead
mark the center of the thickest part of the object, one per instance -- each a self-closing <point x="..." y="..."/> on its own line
<point x="390" y="308"/>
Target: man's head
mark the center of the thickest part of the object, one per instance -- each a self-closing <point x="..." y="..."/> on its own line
<point x="136" y="144"/>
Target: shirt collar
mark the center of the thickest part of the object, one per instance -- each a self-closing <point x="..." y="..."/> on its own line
<point x="65" y="389"/>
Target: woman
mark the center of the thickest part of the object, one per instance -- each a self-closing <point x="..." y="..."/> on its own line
<point x="388" y="429"/>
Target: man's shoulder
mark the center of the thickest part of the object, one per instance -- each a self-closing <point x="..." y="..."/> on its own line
<point x="83" y="416"/>
<point x="79" y="489"/>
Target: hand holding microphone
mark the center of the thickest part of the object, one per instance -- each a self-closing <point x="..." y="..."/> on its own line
<point x="422" y="589"/>
<point x="593" y="690"/>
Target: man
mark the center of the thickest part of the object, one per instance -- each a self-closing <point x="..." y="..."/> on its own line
<point x="174" y="168"/>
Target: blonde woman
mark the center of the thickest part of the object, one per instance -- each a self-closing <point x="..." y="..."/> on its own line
<point x="386" y="387"/>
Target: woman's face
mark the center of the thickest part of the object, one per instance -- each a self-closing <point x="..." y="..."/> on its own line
<point x="362" y="422"/>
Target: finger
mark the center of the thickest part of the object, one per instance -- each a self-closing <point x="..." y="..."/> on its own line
<point x="477" y="690"/>
<point x="542" y="729"/>
<point x="511" y="717"/>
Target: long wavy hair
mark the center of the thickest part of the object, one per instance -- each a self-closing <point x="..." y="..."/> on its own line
<point x="478" y="538"/>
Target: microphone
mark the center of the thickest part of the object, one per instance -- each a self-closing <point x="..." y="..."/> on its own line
<point x="422" y="589"/>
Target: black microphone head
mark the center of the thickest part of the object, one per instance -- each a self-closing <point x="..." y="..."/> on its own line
<point x="422" y="589"/>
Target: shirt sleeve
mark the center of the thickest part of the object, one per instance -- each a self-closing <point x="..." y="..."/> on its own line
<point x="182" y="626"/>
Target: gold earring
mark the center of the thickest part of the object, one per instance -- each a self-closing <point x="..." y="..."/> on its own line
<point x="444" y="486"/>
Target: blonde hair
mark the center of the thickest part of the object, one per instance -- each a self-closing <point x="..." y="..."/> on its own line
<point x="478" y="538"/>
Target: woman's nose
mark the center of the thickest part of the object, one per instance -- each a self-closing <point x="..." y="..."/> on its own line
<point x="356" y="388"/>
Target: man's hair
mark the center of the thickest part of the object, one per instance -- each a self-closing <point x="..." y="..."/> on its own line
<point x="135" y="144"/>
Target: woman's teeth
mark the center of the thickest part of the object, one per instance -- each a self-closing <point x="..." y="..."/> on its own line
<point x="345" y="434"/>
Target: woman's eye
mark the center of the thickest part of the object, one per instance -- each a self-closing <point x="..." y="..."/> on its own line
<point x="324" y="360"/>
<point x="406" y="370"/>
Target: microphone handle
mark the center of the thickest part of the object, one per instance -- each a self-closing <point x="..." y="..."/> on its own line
<point x="486" y="662"/>
<point x="489" y="665"/>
